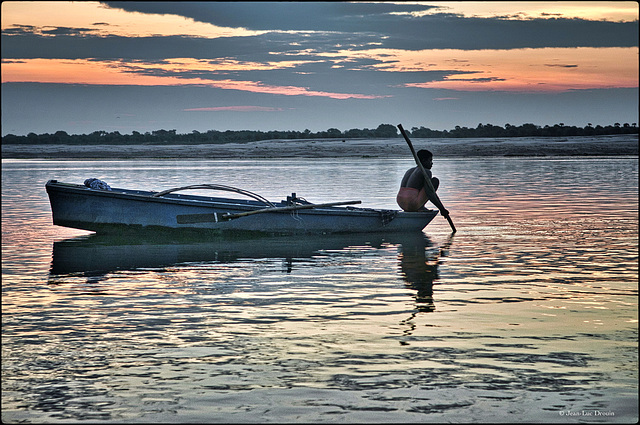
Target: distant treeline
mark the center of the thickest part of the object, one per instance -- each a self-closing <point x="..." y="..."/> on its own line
<point x="384" y="131"/>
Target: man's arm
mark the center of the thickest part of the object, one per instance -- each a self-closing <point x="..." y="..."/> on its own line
<point x="435" y="200"/>
<point x="432" y="195"/>
<point x="418" y="181"/>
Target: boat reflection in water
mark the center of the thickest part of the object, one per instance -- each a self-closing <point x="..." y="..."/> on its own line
<point x="95" y="256"/>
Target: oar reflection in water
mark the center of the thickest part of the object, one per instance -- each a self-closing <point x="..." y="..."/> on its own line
<point x="419" y="268"/>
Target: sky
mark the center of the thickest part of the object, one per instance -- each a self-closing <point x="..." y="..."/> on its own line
<point x="131" y="66"/>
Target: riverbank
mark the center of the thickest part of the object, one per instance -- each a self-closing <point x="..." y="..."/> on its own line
<point x="618" y="145"/>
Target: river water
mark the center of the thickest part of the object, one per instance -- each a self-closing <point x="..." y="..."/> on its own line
<point x="528" y="314"/>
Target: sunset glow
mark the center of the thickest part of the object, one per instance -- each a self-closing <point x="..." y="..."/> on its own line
<point x="85" y="71"/>
<point x="100" y="20"/>
<point x="535" y="70"/>
<point x="117" y="73"/>
<point x="385" y="54"/>
<point x="532" y="70"/>
<point x="615" y="11"/>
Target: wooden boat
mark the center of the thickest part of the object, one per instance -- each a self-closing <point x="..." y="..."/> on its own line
<point x="114" y="210"/>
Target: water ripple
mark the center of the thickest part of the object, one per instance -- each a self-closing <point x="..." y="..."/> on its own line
<point x="528" y="312"/>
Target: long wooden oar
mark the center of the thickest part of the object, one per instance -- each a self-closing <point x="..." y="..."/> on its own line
<point x="427" y="180"/>
<point x="215" y="217"/>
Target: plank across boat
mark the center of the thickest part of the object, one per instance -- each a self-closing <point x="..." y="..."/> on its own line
<point x="107" y="211"/>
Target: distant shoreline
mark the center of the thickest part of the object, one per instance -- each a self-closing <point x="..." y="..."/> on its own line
<point x="615" y="145"/>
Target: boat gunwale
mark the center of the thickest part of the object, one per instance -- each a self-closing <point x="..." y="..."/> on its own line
<point x="214" y="202"/>
<point x="147" y="196"/>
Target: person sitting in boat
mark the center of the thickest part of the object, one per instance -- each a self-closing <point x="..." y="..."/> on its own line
<point x="414" y="193"/>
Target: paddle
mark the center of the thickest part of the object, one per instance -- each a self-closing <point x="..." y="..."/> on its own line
<point x="215" y="217"/>
<point x="427" y="180"/>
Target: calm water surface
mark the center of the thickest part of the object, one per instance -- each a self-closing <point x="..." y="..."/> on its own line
<point x="529" y="313"/>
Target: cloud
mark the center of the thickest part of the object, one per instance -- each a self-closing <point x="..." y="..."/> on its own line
<point x="306" y="28"/>
<point x="280" y="16"/>
<point x="399" y="25"/>
<point x="246" y="108"/>
<point x="477" y="80"/>
<point x="82" y="71"/>
<point x="56" y="31"/>
<point x="560" y="65"/>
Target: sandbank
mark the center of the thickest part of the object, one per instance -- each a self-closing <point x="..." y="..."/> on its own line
<point x="617" y="145"/>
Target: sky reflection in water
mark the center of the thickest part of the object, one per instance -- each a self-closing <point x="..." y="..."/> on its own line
<point x="528" y="312"/>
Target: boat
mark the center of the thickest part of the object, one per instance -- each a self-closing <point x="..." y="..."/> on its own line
<point x="103" y="209"/>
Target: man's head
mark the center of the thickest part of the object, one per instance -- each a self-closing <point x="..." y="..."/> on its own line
<point x="426" y="158"/>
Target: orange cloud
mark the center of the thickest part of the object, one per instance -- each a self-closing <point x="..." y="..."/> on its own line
<point x="527" y="70"/>
<point x="595" y="10"/>
<point x="82" y="71"/>
<point x="106" y="21"/>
